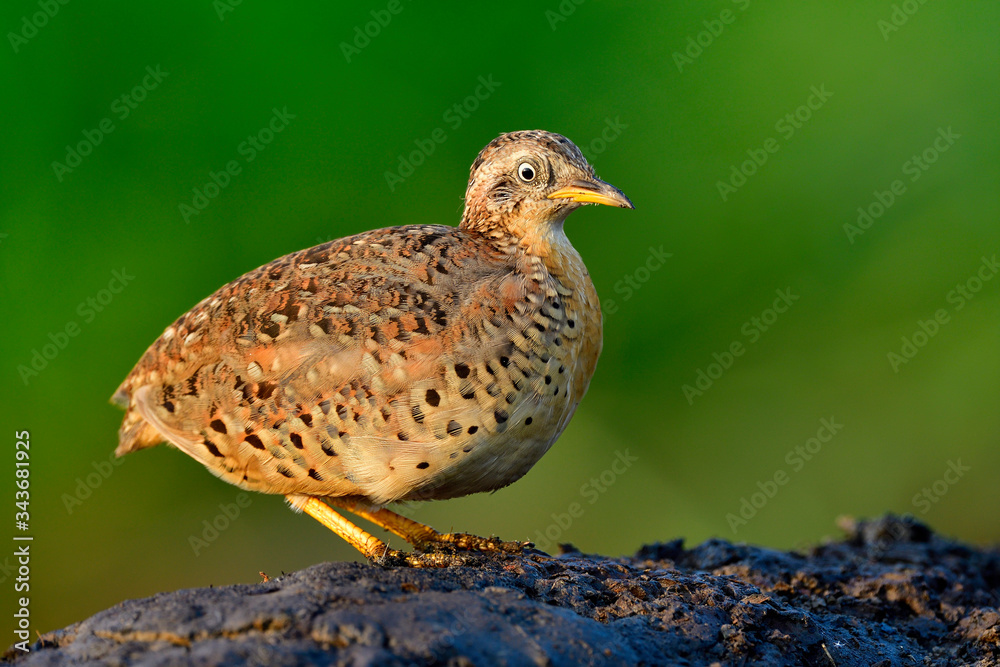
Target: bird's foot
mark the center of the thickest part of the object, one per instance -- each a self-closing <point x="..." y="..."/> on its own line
<point x="397" y="558"/>
<point x="450" y="542"/>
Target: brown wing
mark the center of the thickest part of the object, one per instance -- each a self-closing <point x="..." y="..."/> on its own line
<point x="362" y="366"/>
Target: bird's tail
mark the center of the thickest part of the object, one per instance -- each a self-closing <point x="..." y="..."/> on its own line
<point x="135" y="432"/>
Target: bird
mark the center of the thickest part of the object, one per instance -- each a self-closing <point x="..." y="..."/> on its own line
<point x="410" y="363"/>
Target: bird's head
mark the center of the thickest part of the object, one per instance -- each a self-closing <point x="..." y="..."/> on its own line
<point x="524" y="184"/>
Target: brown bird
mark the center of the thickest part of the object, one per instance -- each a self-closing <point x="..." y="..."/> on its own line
<point x="409" y="363"/>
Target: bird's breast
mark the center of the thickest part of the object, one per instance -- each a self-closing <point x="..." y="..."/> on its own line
<point x="538" y="363"/>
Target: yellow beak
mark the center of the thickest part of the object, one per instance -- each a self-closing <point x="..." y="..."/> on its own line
<point x="593" y="192"/>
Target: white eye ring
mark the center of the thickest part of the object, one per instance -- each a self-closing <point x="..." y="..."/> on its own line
<point x="526" y="172"/>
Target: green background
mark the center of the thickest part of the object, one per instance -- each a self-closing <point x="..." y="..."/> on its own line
<point x="680" y="132"/>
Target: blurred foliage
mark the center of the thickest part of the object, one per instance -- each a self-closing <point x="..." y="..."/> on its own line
<point x="664" y="129"/>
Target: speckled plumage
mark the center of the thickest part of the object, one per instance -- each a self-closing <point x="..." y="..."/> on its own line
<point x="413" y="362"/>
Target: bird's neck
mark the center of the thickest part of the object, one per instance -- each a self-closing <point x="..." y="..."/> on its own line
<point x="535" y="243"/>
<point x="546" y="245"/>
<point x="520" y="231"/>
<point x="549" y="243"/>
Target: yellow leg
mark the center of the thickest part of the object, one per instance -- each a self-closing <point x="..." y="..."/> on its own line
<point x="369" y="545"/>
<point x="373" y="548"/>
<point x="421" y="536"/>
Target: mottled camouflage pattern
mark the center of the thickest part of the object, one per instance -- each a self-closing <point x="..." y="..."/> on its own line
<point x="411" y="362"/>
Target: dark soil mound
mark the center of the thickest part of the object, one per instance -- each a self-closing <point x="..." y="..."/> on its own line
<point x="891" y="593"/>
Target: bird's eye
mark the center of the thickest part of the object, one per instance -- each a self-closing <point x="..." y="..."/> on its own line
<point x="526" y="172"/>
